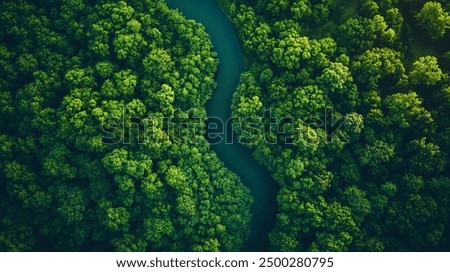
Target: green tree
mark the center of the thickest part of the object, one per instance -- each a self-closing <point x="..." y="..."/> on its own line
<point x="433" y="20"/>
<point x="377" y="154"/>
<point x="376" y="64"/>
<point x="426" y="71"/>
<point x="406" y="110"/>
<point x="426" y="158"/>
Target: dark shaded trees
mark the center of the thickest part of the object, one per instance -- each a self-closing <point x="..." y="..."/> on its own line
<point x="69" y="79"/>
<point x="371" y="184"/>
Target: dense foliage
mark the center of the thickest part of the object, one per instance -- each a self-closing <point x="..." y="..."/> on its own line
<point x="380" y="181"/>
<point x="361" y="150"/>
<point x="71" y="69"/>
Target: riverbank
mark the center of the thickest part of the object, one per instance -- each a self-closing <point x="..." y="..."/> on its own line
<point x="236" y="157"/>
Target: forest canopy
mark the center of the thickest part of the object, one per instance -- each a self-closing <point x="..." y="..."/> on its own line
<point x="384" y="186"/>
<point x="67" y="69"/>
<point x="73" y="71"/>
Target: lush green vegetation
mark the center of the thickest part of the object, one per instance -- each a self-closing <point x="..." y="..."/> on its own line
<point x="365" y="84"/>
<point x="68" y="69"/>
<point x="380" y="182"/>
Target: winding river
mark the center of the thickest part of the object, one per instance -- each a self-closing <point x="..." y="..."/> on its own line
<point x="236" y="157"/>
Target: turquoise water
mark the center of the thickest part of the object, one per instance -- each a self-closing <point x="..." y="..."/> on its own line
<point x="236" y="157"/>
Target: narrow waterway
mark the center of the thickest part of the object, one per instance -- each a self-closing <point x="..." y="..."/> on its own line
<point x="236" y="157"/>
